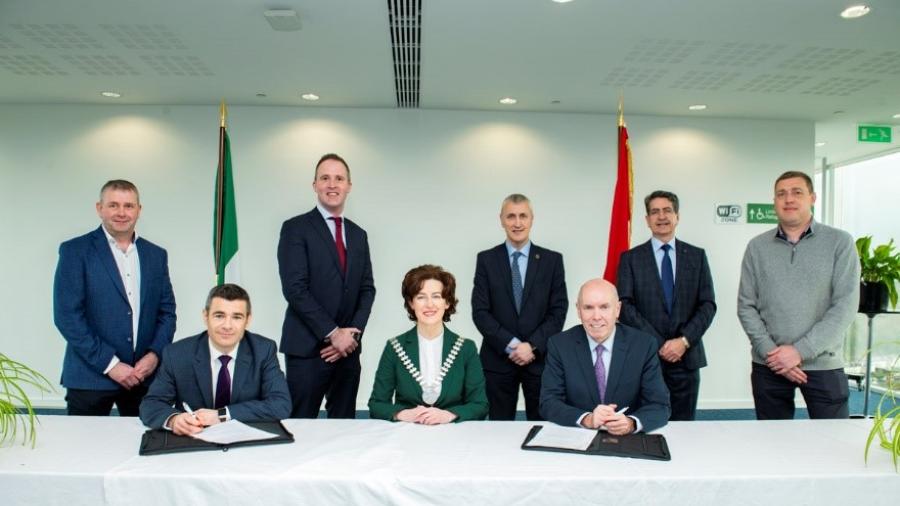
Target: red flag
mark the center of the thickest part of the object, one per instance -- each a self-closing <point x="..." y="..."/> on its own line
<point x="620" y="218"/>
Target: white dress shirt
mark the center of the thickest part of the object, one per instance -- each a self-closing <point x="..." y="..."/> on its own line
<point x="430" y="351"/>
<point x="129" y="265"/>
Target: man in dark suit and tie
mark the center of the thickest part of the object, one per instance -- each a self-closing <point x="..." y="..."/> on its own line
<point x="113" y="304"/>
<point x="222" y="374"/>
<point x="666" y="290"/>
<point x="326" y="277"/>
<point x="600" y="374"/>
<point x="518" y="301"/>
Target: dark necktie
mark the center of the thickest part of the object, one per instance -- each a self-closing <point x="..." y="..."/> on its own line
<point x="339" y="241"/>
<point x="223" y="386"/>
<point x="667" y="277"/>
<point x="517" y="280"/>
<point x="600" y="372"/>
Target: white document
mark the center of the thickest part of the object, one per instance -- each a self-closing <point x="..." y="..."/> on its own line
<point x="570" y="438"/>
<point x="232" y="431"/>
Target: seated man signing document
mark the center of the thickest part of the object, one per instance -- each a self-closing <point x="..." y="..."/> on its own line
<point x="222" y="374"/>
<point x="603" y="374"/>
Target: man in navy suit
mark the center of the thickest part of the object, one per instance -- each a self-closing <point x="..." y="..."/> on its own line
<point x="222" y="374"/>
<point x="518" y="301"/>
<point x="600" y="374"/>
<point x="326" y="278"/>
<point x="667" y="291"/>
<point x="113" y="304"/>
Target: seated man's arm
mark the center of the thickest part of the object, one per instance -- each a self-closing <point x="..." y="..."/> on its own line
<point x="554" y="405"/>
<point x="275" y="403"/>
<point x="158" y="405"/>
<point x="654" y="396"/>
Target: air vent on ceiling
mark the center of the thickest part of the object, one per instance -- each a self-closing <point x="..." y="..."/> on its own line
<point x="405" y="20"/>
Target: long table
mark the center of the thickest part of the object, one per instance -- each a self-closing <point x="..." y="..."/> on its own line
<point x="94" y="461"/>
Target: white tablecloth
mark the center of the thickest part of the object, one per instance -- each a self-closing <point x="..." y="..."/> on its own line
<point x="94" y="461"/>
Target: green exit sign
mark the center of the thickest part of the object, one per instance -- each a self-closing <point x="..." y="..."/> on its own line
<point x="874" y="133"/>
<point x="761" y="213"/>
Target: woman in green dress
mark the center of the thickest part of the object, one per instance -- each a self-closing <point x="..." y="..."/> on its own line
<point x="429" y="375"/>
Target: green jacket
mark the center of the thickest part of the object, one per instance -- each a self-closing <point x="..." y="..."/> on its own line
<point x="462" y="391"/>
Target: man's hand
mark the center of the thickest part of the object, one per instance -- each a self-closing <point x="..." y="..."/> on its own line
<point x="145" y="366"/>
<point x="343" y="343"/>
<point x="783" y="358"/>
<point x="123" y="374"/>
<point x="185" y="424"/>
<point x="523" y="354"/>
<point x="672" y="350"/>
<point x="330" y="354"/>
<point x="796" y="375"/>
<point x="207" y="417"/>
<point x="409" y="415"/>
<point x="435" y="416"/>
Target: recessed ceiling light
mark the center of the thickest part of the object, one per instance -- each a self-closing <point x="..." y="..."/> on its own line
<point x="110" y="94"/>
<point x="261" y="95"/>
<point x="561" y="1"/>
<point x="896" y="116"/>
<point x="508" y="101"/>
<point x="697" y="107"/>
<point x="312" y="97"/>
<point x="555" y="102"/>
<point x="820" y="144"/>
<point x="855" y="11"/>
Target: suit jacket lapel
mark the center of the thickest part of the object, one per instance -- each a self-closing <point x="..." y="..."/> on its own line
<point x="586" y="365"/>
<point x="617" y="363"/>
<point x="410" y="344"/>
<point x="203" y="371"/>
<point x="505" y="270"/>
<point x="106" y="258"/>
<point x="242" y="366"/>
<point x="531" y="272"/>
<point x="449" y="341"/>
<point x="144" y="265"/>
<point x="325" y="234"/>
<point x="648" y="257"/>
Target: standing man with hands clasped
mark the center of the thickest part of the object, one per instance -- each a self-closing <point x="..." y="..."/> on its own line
<point x="518" y="301"/>
<point x="666" y="290"/>
<point x="799" y="292"/>
<point x="113" y="303"/>
<point x="326" y="278"/>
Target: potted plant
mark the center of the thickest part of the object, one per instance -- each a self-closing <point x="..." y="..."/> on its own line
<point x="886" y="421"/>
<point x="13" y="377"/>
<point x="880" y="270"/>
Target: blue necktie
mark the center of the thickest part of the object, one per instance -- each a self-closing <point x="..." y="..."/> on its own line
<point x="668" y="278"/>
<point x="517" y="280"/>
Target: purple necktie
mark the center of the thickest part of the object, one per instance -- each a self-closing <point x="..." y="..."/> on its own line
<point x="600" y="371"/>
<point x="223" y="386"/>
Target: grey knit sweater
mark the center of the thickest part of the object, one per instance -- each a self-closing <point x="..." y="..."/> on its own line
<point x="805" y="294"/>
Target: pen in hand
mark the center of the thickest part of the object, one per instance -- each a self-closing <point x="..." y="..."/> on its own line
<point x="189" y="410"/>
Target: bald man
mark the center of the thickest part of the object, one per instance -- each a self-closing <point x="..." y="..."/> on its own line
<point x="601" y="374"/>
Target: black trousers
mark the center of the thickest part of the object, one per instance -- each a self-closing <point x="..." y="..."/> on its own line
<point x="310" y="380"/>
<point x="100" y="402"/>
<point x="503" y="393"/>
<point x="826" y="394"/>
<point x="684" y="389"/>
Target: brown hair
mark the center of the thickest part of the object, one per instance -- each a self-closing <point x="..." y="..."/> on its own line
<point x="122" y="185"/>
<point x="796" y="173"/>
<point x="331" y="156"/>
<point x="417" y="277"/>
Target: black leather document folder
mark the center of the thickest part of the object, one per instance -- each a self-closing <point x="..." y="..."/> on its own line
<point x="636" y="446"/>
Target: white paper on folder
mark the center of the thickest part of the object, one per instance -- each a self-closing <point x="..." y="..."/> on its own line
<point x="570" y="438"/>
<point x="232" y="431"/>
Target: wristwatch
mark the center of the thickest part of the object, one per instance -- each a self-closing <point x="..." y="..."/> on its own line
<point x="223" y="414"/>
<point x="684" y="340"/>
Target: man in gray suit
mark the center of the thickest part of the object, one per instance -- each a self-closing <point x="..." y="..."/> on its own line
<point x="222" y="374"/>
<point x="666" y="290"/>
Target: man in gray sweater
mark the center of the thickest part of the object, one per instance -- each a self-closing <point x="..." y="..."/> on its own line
<point x="799" y="292"/>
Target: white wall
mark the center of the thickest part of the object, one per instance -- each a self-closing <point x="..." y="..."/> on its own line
<point x="427" y="187"/>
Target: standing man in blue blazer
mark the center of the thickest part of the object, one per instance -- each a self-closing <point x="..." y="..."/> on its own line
<point x="600" y="374"/>
<point x="518" y="301"/>
<point x="326" y="278"/>
<point x="225" y="373"/>
<point x="113" y="304"/>
<point x="666" y="290"/>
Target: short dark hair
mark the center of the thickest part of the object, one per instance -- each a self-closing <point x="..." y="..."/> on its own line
<point x="331" y="156"/>
<point x="417" y="277"/>
<point x="791" y="174"/>
<point x="229" y="292"/>
<point x="120" y="184"/>
<point x="661" y="194"/>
